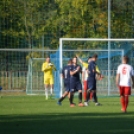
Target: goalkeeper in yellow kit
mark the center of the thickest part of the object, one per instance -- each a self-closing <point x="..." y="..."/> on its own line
<point x="48" y="69"/>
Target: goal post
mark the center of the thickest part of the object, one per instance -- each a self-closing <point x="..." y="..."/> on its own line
<point x="114" y="53"/>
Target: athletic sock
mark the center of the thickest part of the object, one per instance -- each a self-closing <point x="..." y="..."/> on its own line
<point x="51" y="91"/>
<point x="122" y="100"/>
<point x="61" y="99"/>
<point x="80" y="97"/>
<point x="71" y="98"/>
<point x="91" y="96"/>
<point x="85" y="95"/>
<point x="95" y="97"/>
<point x="88" y="96"/>
<point x="126" y="102"/>
<point x="46" y="93"/>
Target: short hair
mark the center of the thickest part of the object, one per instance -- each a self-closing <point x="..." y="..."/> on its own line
<point x="126" y="58"/>
<point x="70" y="61"/>
<point x="95" y="56"/>
<point x="75" y="57"/>
<point x="89" y="57"/>
<point x="47" y="56"/>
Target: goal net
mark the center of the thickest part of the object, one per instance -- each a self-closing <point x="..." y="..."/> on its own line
<point x="110" y="53"/>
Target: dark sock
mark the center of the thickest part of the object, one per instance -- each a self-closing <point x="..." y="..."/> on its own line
<point x="71" y="98"/>
<point x="95" y="97"/>
<point x="80" y="97"/>
<point x="88" y="95"/>
<point x="61" y="99"/>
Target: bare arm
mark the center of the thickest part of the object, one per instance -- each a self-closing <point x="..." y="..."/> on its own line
<point x="74" y="72"/>
<point x="83" y="75"/>
<point x="132" y="81"/>
<point x="117" y="80"/>
<point x="80" y="60"/>
<point x="62" y="76"/>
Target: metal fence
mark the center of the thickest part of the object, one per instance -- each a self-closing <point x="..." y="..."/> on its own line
<point x="17" y="80"/>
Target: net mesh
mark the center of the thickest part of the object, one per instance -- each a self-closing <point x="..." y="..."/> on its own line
<point x="108" y="60"/>
<point x="16" y="64"/>
<point x="35" y="77"/>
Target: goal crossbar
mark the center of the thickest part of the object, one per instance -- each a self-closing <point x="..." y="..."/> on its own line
<point x="95" y="39"/>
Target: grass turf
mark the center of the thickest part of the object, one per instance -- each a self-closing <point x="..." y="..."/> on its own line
<point x="35" y="115"/>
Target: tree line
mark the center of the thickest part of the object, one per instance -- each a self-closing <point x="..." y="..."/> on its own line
<point x="25" y="22"/>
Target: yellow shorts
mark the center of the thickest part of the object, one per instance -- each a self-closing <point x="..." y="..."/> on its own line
<point x="48" y="80"/>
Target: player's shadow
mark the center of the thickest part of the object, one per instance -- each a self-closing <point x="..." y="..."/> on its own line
<point x="68" y="123"/>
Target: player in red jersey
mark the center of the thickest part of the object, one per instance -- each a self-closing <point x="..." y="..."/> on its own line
<point x="123" y="81"/>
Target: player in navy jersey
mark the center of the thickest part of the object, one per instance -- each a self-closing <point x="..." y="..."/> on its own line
<point x="66" y="79"/>
<point x="75" y="82"/>
<point x="92" y="80"/>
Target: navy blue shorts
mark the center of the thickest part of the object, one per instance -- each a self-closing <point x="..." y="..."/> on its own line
<point x="67" y="86"/>
<point x="75" y="86"/>
<point x="91" y="84"/>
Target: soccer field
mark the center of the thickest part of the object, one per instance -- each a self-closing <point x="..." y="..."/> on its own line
<point x="35" y="115"/>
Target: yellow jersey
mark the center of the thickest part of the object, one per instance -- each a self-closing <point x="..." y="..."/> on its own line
<point x="48" y="68"/>
<point x="86" y="66"/>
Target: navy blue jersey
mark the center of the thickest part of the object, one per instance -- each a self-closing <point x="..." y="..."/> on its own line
<point x="92" y="69"/>
<point x="76" y="76"/>
<point x="66" y="73"/>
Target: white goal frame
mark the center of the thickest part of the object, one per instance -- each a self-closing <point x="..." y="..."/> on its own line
<point x="109" y="50"/>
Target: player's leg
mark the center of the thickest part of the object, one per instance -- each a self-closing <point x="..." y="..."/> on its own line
<point x="46" y="91"/>
<point x="46" y="83"/>
<point x="67" y="89"/>
<point x="79" y="89"/>
<point x="85" y="90"/>
<point x="96" y="98"/>
<point x="127" y="93"/>
<point x="122" y="98"/>
<point x="80" y="98"/>
<point x="71" y="99"/>
<point x="51" y="85"/>
<point x="87" y="97"/>
<point x="72" y="90"/>
<point x="89" y="91"/>
<point x="91" y="96"/>
<point x="89" y="85"/>
<point x="94" y="92"/>
<point x="62" y="98"/>
<point x="126" y="101"/>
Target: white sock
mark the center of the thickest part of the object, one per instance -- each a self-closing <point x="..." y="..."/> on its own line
<point x="51" y="91"/>
<point x="46" y="93"/>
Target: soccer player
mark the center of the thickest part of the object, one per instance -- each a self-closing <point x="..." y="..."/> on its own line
<point x="75" y="82"/>
<point x="66" y="79"/>
<point x="84" y="75"/>
<point x="123" y="81"/>
<point x="48" y="69"/>
<point x="92" y="80"/>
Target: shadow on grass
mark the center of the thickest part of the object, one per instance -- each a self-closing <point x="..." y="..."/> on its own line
<point x="68" y="123"/>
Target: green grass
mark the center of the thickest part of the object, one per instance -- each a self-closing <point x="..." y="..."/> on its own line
<point x="35" y="115"/>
